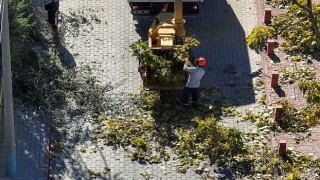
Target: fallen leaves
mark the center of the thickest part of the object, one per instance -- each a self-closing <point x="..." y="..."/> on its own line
<point x="83" y="150"/>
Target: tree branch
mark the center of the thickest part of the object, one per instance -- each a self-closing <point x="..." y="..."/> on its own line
<point x="313" y="20"/>
<point x="302" y="6"/>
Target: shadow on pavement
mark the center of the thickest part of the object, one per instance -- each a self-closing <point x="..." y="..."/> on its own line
<point x="30" y="135"/>
<point x="169" y="114"/>
<point x="143" y="24"/>
<point x="66" y="58"/>
<point x="222" y="39"/>
<point x="223" y="44"/>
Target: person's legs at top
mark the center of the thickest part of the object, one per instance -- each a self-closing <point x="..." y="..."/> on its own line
<point x="52" y="9"/>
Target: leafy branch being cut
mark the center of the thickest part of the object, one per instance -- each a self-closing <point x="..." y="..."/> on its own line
<point x="164" y="67"/>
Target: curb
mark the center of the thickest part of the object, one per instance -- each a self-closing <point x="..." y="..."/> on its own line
<point x="47" y="143"/>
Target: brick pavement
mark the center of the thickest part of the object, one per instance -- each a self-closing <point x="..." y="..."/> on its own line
<point x="301" y="142"/>
<point x="281" y="60"/>
<point x="106" y="47"/>
<point x="30" y="132"/>
<point x="287" y="91"/>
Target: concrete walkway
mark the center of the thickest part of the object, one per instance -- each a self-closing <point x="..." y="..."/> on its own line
<point x="31" y="145"/>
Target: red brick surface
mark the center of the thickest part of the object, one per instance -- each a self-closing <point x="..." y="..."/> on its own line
<point x="289" y="92"/>
<point x="308" y="145"/>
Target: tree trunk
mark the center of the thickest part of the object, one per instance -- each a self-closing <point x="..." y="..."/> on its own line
<point x="308" y="8"/>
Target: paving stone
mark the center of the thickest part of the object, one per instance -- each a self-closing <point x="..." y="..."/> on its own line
<point x="30" y="135"/>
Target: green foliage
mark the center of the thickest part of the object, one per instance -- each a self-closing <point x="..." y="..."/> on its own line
<point x="83" y="150"/>
<point x="268" y="162"/>
<point x="235" y="142"/>
<point x="44" y="82"/>
<point x="262" y="119"/>
<point x="168" y="73"/>
<point x="250" y="117"/>
<point x="124" y="132"/>
<point x="164" y="67"/>
<point x="157" y="127"/>
<point x="181" y="52"/>
<point x="139" y="142"/>
<point x="93" y="174"/>
<point x="312" y="89"/>
<point x="294" y="165"/>
<point x="257" y="39"/>
<point x="295" y="74"/>
<point x="35" y="77"/>
<point x="279" y="3"/>
<point x="145" y="55"/>
<point x="20" y="17"/>
<point x="262" y="99"/>
<point x="137" y="133"/>
<point x="149" y="100"/>
<point x="21" y="22"/>
<point x="310" y="115"/>
<point x="296" y="28"/>
<point x="39" y="75"/>
<point x="293" y="120"/>
<point x="148" y="134"/>
<point x="208" y="140"/>
<point x="230" y="111"/>
<point x="57" y="145"/>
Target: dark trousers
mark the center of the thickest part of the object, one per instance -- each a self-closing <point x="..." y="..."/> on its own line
<point x="194" y="94"/>
<point x="52" y="9"/>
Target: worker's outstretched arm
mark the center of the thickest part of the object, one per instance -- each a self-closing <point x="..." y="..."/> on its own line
<point x="188" y="68"/>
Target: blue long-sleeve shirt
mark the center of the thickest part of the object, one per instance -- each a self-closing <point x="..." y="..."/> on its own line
<point x="195" y="75"/>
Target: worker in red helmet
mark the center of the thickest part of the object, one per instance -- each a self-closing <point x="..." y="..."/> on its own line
<point x="192" y="87"/>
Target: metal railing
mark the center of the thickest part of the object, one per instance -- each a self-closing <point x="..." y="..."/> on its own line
<point x="6" y="93"/>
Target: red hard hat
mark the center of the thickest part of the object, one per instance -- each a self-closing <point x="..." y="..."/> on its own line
<point x="201" y="61"/>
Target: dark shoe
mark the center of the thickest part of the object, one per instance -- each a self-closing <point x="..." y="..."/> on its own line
<point x="54" y="27"/>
